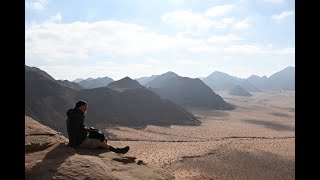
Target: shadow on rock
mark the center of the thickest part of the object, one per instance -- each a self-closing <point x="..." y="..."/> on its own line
<point x="126" y="159"/>
<point x="47" y="168"/>
<point x="92" y="152"/>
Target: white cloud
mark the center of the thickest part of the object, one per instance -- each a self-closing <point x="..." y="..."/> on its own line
<point x="285" y="51"/>
<point x="81" y="41"/>
<point x="177" y="2"/>
<point x="187" y="62"/>
<point x="283" y="15"/>
<point x="51" y="41"/>
<point x="198" y="23"/>
<point x="275" y="1"/>
<point x="57" y="17"/>
<point x="244" y="49"/>
<point x="37" y="5"/>
<point x="224" y="38"/>
<point x="153" y="61"/>
<point x="249" y="49"/>
<point x="204" y="49"/>
<point x="243" y="24"/>
<point x="219" y="10"/>
<point x="187" y="19"/>
<point x="105" y="63"/>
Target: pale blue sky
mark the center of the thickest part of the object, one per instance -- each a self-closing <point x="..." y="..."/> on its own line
<point x="72" y="39"/>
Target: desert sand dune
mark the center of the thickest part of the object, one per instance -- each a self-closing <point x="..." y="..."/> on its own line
<point x="254" y="141"/>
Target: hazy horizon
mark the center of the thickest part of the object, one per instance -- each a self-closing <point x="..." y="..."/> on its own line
<point x="138" y="38"/>
<point x="154" y="74"/>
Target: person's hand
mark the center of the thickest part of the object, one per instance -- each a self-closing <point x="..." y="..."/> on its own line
<point x="91" y="129"/>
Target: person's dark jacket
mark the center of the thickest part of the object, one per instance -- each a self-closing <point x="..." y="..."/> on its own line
<point x="75" y="127"/>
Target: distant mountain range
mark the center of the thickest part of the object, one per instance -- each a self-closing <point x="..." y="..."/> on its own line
<point x="95" y="83"/>
<point x="186" y="91"/>
<point x="282" y="80"/>
<point x="64" y="83"/>
<point x="221" y="81"/>
<point x="78" y="80"/>
<point x="47" y="101"/>
<point x="126" y="102"/>
<point x="144" y="80"/>
<point x="217" y="81"/>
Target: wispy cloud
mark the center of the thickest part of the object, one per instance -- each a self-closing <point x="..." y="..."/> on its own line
<point x="188" y="62"/>
<point x="275" y="1"/>
<point x="37" y="5"/>
<point x="283" y="15"/>
<point x="52" y="41"/>
<point x="200" y="23"/>
<point x="187" y="19"/>
<point x="244" y="49"/>
<point x="80" y="41"/>
<point x="219" y="10"/>
<point x="285" y="51"/>
<point x="243" y="24"/>
<point x="224" y="38"/>
<point x="57" y="17"/>
<point x="153" y="61"/>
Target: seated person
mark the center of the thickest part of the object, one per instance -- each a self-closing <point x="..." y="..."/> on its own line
<point x="79" y="134"/>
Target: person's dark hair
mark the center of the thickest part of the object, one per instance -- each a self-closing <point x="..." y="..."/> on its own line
<point x="80" y="103"/>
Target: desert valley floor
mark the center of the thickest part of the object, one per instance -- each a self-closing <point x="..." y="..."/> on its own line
<point x="254" y="141"/>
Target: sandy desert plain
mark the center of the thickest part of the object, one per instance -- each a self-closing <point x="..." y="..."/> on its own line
<point x="254" y="141"/>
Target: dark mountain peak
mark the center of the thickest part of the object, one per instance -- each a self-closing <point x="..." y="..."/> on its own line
<point x="127" y="78"/>
<point x="47" y="100"/>
<point x="239" y="91"/>
<point x="78" y="80"/>
<point x="170" y="74"/>
<point x="124" y="84"/>
<point x="38" y="74"/>
<point x="39" y="71"/>
<point x="163" y="80"/>
<point x="185" y="91"/>
<point x="145" y="80"/>
<point x="288" y="69"/>
<point x="103" y="78"/>
<point x="90" y="83"/>
<point x="284" y="79"/>
<point x="218" y="73"/>
<point x="253" y="77"/>
<point x="89" y="79"/>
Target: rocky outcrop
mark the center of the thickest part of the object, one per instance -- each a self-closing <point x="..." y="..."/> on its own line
<point x="46" y="157"/>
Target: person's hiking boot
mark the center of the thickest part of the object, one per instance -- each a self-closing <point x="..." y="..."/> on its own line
<point x="119" y="150"/>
